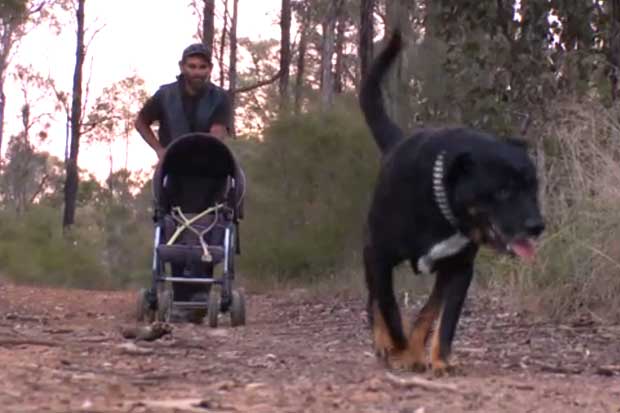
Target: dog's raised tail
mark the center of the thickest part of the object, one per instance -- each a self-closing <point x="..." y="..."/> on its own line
<point x="384" y="130"/>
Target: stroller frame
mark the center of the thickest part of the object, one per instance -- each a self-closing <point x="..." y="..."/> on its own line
<point x="158" y="302"/>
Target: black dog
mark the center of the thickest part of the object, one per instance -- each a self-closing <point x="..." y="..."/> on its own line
<point x="440" y="195"/>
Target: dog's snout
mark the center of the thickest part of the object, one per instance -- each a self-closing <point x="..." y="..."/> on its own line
<point x="534" y="226"/>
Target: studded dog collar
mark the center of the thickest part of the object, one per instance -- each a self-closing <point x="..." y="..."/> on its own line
<point x="439" y="190"/>
<point x="453" y="244"/>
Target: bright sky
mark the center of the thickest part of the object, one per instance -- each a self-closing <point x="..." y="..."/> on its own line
<point x="143" y="37"/>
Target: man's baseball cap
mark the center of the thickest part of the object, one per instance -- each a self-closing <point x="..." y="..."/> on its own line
<point x="197" y="49"/>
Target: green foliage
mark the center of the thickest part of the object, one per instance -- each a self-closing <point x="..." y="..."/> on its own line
<point x="113" y="113"/>
<point x="12" y="11"/>
<point x="257" y="106"/>
<point x="28" y="175"/>
<point x="309" y="186"/>
<point x="489" y="63"/>
<point x="109" y="247"/>
<point x="33" y="250"/>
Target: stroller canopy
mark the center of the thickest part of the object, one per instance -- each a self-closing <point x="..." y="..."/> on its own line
<point x="194" y="172"/>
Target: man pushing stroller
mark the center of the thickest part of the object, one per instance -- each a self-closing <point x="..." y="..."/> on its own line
<point x="191" y="104"/>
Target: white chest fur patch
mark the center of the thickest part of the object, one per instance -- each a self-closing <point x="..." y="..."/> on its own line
<point x="446" y="248"/>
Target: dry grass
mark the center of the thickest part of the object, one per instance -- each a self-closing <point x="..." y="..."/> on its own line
<point x="578" y="269"/>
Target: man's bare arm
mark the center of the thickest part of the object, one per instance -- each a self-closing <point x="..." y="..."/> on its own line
<point x="144" y="129"/>
<point x="218" y="130"/>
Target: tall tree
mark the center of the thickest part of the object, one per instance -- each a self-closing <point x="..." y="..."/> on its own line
<point x="232" y="67"/>
<point x="223" y="44"/>
<point x="16" y="17"/>
<point x="327" y="53"/>
<point x="366" y="35"/>
<point x="208" y="23"/>
<point x="398" y="14"/>
<point x="35" y="90"/>
<point x="613" y="52"/>
<point x="285" y="52"/>
<point x="304" y="29"/>
<point x="341" y="27"/>
<point x="72" y="177"/>
<point x="112" y="115"/>
<point x="26" y="173"/>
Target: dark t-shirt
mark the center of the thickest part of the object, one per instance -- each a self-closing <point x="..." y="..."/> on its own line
<point x="153" y="111"/>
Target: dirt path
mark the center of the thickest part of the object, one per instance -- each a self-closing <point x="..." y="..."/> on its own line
<point x="61" y="351"/>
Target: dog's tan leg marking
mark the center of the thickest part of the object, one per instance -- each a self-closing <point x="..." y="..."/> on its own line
<point x="381" y="336"/>
<point x="438" y="363"/>
<point x="421" y="331"/>
<point x="384" y="345"/>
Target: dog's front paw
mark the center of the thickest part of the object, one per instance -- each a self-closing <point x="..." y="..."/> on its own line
<point x="406" y="360"/>
<point x="442" y="368"/>
<point x="382" y="341"/>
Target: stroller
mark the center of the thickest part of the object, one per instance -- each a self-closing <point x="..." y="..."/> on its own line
<point x="198" y="188"/>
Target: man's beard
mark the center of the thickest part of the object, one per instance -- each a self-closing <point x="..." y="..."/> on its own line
<point x="197" y="83"/>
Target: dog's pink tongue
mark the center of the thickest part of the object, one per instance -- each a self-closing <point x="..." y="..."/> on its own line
<point x="524" y="249"/>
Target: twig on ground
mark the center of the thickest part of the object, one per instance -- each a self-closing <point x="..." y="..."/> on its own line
<point x="608" y="370"/>
<point x="27" y="342"/>
<point x="420" y="382"/>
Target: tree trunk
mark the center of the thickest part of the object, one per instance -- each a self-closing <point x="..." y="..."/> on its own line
<point x="285" y="52"/>
<point x="111" y="164"/>
<point x="208" y="23"/>
<point x="15" y="16"/>
<point x="126" y="150"/>
<point x="340" y="39"/>
<point x="72" y="178"/>
<point x="6" y="45"/>
<point x="67" y="138"/>
<point x="2" y="106"/>
<point x="366" y="35"/>
<point x="327" y="53"/>
<point x="26" y="122"/>
<point x="232" y="67"/>
<point x="301" y="69"/>
<point x="397" y="96"/>
<point x="223" y="44"/>
<point x="614" y="48"/>
<point x="301" y="59"/>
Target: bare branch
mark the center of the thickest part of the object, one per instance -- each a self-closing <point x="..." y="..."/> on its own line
<point x="87" y="89"/>
<point x="525" y="125"/>
<point x="258" y="84"/>
<point x="59" y="96"/>
<point x="419" y="382"/>
<point x="39" y="188"/>
<point x="36" y="8"/>
<point x="92" y="37"/>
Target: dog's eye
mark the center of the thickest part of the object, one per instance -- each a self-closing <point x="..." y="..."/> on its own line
<point x="503" y="194"/>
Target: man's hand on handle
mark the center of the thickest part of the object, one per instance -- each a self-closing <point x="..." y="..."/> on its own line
<point x="160" y="152"/>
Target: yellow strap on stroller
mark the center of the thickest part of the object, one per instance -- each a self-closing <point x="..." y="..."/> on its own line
<point x="185" y="223"/>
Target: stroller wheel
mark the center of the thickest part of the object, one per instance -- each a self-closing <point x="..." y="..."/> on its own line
<point x="143" y="309"/>
<point x="237" y="309"/>
<point x="164" y="308"/>
<point x="213" y="308"/>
